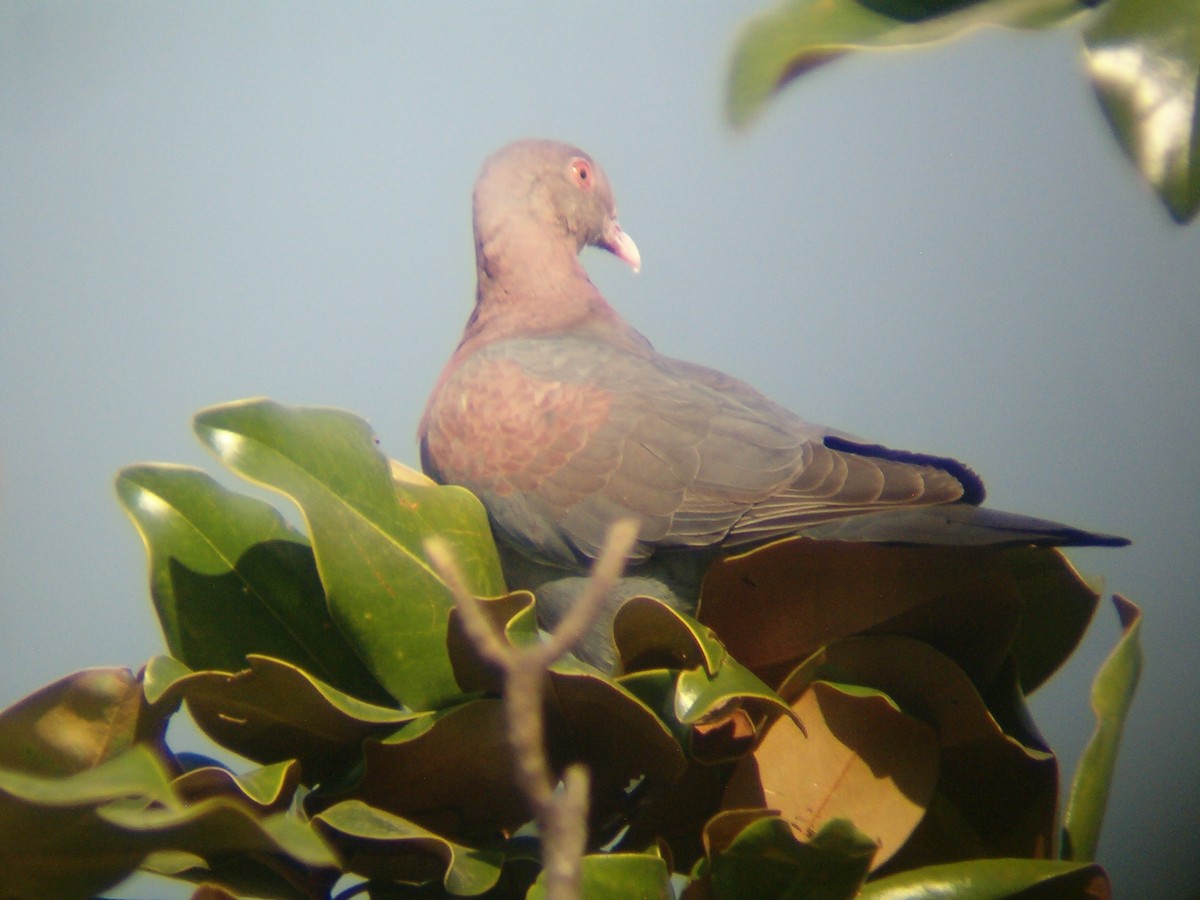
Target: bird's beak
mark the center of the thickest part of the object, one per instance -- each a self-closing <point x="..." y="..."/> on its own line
<point x="621" y="245"/>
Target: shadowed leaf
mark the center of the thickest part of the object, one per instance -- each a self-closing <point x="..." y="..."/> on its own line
<point x="450" y="772"/>
<point x="775" y="605"/>
<point x="53" y="843"/>
<point x="755" y="854"/>
<point x="1057" y="606"/>
<point x="994" y="796"/>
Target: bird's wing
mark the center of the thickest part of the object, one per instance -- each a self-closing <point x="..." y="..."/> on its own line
<point x="562" y="436"/>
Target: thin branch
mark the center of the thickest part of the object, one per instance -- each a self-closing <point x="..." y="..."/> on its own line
<point x="561" y="817"/>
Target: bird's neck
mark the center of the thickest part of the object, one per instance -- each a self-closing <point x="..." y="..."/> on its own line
<point x="529" y="285"/>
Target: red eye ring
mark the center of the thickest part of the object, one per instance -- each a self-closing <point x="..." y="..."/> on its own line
<point x="581" y="171"/>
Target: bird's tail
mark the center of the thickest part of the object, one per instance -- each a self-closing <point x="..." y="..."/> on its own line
<point x="959" y="525"/>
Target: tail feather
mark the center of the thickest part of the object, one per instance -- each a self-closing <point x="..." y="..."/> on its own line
<point x="959" y="524"/>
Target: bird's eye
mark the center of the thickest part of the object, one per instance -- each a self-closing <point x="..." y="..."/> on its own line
<point x="581" y="169"/>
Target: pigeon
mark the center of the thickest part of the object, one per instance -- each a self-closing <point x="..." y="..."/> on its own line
<point x="563" y="419"/>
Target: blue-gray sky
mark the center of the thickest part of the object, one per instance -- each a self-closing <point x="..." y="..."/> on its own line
<point x="942" y="250"/>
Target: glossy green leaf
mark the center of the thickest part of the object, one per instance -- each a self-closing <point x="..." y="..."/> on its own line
<point x="1112" y="695"/>
<point x="1144" y="60"/>
<point x="75" y="723"/>
<point x="367" y="534"/>
<point x="380" y="845"/>
<point x="229" y="577"/>
<point x="778" y="45"/>
<point x="618" y="875"/>
<point x="761" y="857"/>
<point x="270" y="787"/>
<point x="994" y="879"/>
<point x="273" y="711"/>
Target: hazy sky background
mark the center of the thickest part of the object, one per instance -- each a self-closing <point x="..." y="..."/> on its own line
<point x="941" y="250"/>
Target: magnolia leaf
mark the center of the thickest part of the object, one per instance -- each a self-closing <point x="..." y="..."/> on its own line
<point x="756" y="854"/>
<point x="270" y="787"/>
<point x="450" y="772"/>
<point x="595" y="720"/>
<point x="75" y="723"/>
<point x="618" y="875"/>
<point x="513" y="614"/>
<point x="368" y="535"/>
<point x="378" y="844"/>
<point x="1112" y="695"/>
<point x="52" y="841"/>
<point x="649" y="634"/>
<point x="272" y="712"/>
<point x="994" y="879"/>
<point x="1144" y="60"/>
<point x="796" y="36"/>
<point x="995" y="796"/>
<point x="863" y="760"/>
<point x="1057" y="605"/>
<point x="230" y="577"/>
<point x="776" y="604"/>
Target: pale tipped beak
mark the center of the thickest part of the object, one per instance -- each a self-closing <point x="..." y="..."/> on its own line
<point x="621" y="245"/>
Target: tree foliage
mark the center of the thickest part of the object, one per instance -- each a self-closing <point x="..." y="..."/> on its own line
<point x="1143" y="60"/>
<point x="833" y="722"/>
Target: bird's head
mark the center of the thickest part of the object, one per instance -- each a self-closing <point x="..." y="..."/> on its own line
<point x="555" y="188"/>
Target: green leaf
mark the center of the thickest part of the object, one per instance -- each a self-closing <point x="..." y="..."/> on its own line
<point x="75" y="723"/>
<point x="218" y="558"/>
<point x="783" y="43"/>
<point x="993" y="879"/>
<point x="367" y="534"/>
<point x="381" y="845"/>
<point x="1144" y="60"/>
<point x="270" y="787"/>
<point x="765" y="859"/>
<point x="618" y="875"/>
<point x="272" y="712"/>
<point x="1112" y="695"/>
<point x="52" y="841"/>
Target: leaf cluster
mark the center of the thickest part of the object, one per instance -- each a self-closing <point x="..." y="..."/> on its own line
<point x="833" y="722"/>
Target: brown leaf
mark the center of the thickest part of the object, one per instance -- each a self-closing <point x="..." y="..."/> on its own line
<point x="863" y="760"/>
<point x="777" y="604"/>
<point x="453" y="776"/>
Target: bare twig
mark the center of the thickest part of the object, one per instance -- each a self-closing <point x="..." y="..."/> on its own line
<point x="562" y="817"/>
